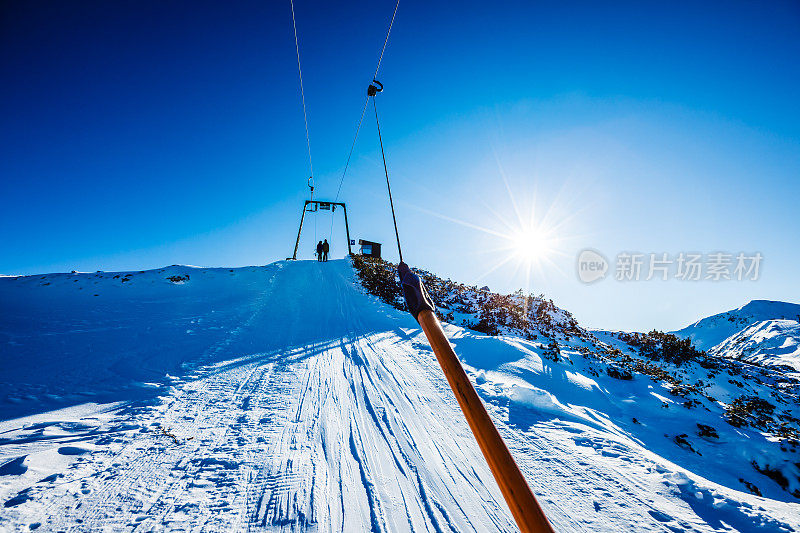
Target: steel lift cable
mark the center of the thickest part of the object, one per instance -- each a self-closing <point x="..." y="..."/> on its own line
<point x="386" y="41"/>
<point x="364" y="108"/>
<point x="374" y="89"/>
<point x="305" y="114"/>
<point x="302" y="91"/>
<point x="347" y="164"/>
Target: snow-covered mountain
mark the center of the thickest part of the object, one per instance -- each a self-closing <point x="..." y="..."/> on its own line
<point x="710" y="331"/>
<point x="763" y="332"/>
<point x="290" y="398"/>
<point x="770" y="343"/>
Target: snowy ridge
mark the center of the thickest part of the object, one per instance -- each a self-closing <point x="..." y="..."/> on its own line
<point x="771" y="343"/>
<point x="710" y="331"/>
<point x="288" y="398"/>
<point x="527" y="316"/>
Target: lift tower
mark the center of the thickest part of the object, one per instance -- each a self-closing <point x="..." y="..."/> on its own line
<point x="313" y="206"/>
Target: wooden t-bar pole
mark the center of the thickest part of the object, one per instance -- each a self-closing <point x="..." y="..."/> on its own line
<point x="524" y="507"/>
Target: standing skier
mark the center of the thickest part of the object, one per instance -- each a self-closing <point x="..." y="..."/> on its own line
<point x="325" y="249"/>
<point x="319" y="251"/>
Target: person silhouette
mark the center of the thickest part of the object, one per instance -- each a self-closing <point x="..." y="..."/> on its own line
<point x="319" y="251"/>
<point x="325" y="249"/>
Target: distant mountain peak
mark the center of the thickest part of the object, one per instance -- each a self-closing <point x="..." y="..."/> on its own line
<point x="711" y="331"/>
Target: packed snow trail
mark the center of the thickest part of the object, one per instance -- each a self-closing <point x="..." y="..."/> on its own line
<point x="323" y="419"/>
<point x="285" y="398"/>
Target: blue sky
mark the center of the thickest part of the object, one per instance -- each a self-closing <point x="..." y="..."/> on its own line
<point x="137" y="135"/>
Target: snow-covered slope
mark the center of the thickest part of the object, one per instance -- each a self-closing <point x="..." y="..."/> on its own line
<point x="710" y="331"/>
<point x="286" y="398"/>
<point x="771" y="343"/>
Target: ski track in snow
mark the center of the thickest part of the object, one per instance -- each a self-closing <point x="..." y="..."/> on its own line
<point x="324" y="410"/>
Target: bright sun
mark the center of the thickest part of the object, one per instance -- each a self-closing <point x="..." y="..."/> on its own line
<point x="532" y="245"/>
<point x="529" y="236"/>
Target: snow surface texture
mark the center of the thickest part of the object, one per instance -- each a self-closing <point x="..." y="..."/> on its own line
<point x="286" y="398"/>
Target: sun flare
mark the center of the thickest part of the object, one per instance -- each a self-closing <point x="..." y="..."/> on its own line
<point x="532" y="244"/>
<point x="527" y="236"/>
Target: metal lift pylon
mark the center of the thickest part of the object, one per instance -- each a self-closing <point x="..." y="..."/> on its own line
<point x="317" y="205"/>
